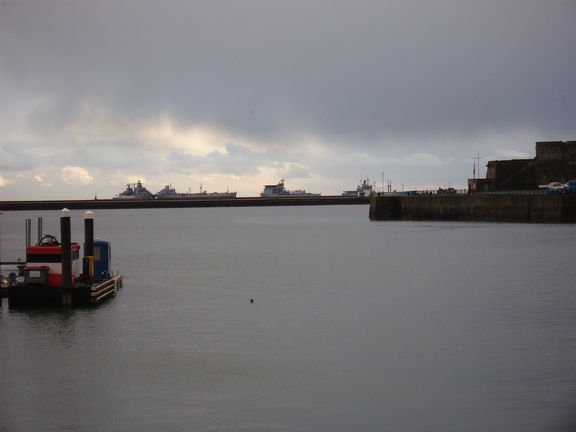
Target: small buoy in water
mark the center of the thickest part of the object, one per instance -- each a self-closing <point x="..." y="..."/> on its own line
<point x="251" y="300"/>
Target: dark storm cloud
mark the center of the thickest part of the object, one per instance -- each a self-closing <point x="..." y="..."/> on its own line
<point x="337" y="69"/>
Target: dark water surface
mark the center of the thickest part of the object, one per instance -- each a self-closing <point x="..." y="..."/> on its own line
<point x="356" y="326"/>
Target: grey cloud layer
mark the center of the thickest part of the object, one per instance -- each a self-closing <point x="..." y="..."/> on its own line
<point x="338" y="69"/>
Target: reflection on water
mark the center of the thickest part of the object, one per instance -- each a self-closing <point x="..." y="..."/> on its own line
<point x="355" y="326"/>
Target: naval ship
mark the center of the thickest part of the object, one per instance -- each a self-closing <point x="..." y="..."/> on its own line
<point x="138" y="192"/>
<point x="364" y="189"/>
<point x="135" y="191"/>
<point x="168" y="192"/>
<point x="279" y="190"/>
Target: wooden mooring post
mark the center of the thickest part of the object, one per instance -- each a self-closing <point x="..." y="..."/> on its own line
<point x="66" y="257"/>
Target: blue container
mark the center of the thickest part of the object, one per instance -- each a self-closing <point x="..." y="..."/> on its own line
<point x="102" y="259"/>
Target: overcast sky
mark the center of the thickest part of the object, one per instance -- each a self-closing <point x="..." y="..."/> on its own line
<point x="235" y="94"/>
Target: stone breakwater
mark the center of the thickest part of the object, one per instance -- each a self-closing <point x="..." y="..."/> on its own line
<point x="174" y="203"/>
<point x="491" y="208"/>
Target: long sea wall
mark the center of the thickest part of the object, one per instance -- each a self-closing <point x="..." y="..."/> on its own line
<point x="175" y="203"/>
<point x="493" y="208"/>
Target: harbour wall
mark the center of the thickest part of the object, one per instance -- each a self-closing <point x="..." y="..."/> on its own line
<point x="492" y="208"/>
<point x="175" y="203"/>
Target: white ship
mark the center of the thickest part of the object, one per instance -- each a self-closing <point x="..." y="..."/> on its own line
<point x="278" y="190"/>
<point x="365" y="189"/>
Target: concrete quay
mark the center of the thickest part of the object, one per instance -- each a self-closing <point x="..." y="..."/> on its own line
<point x="490" y="208"/>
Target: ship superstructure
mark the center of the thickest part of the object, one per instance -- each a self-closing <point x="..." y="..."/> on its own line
<point x="279" y="190"/>
<point x="135" y="191"/>
<point x="364" y="189"/>
<point x="168" y="192"/>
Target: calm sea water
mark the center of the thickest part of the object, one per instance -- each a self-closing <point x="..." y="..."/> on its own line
<point x="355" y="326"/>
